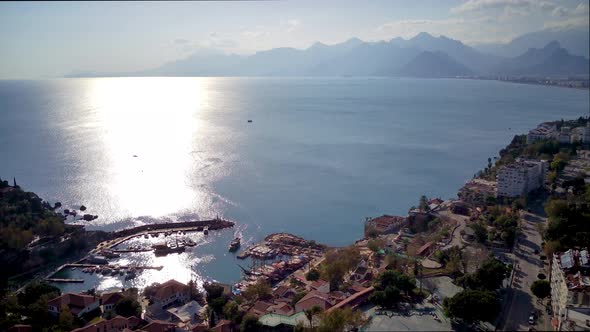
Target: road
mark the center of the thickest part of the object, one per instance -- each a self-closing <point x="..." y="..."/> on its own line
<point x="462" y="221"/>
<point x="528" y="265"/>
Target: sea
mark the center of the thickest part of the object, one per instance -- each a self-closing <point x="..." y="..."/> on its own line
<point x="309" y="156"/>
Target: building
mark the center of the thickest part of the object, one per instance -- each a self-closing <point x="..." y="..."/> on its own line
<point x="116" y="324"/>
<point x="169" y="293"/>
<point x="78" y="304"/>
<point x="476" y="191"/>
<point x="520" y="177"/>
<point x="546" y="130"/>
<point x="109" y="300"/>
<point x="570" y="290"/>
<point x="565" y="135"/>
<point x="586" y="133"/>
<point x="313" y="298"/>
<point x="386" y="224"/>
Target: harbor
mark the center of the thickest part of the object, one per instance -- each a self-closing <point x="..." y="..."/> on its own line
<point x="286" y="253"/>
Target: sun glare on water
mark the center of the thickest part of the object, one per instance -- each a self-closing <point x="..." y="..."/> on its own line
<point x="149" y="132"/>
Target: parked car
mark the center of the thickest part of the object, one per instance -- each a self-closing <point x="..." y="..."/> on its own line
<point x="531" y="320"/>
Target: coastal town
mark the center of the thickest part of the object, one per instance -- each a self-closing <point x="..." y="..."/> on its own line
<point x="510" y="252"/>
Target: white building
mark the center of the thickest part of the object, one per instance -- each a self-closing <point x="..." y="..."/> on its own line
<point x="586" y="133"/>
<point x="520" y="177"/>
<point x="565" y="135"/>
<point x="545" y="130"/>
<point x="570" y="291"/>
<point x="167" y="294"/>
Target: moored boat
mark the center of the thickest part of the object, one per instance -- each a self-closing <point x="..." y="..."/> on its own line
<point x="234" y="244"/>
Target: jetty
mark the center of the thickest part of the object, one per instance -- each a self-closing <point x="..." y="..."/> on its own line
<point x="149" y="229"/>
<point x="65" y="280"/>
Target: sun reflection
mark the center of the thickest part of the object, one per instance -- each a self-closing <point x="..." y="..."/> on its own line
<point x="149" y="129"/>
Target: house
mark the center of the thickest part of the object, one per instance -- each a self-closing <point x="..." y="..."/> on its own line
<point x="109" y="300"/>
<point x="159" y="326"/>
<point x="222" y="326"/>
<point x="477" y="191"/>
<point x="259" y="308"/>
<point x="313" y="298"/>
<point x="20" y="328"/>
<point x="188" y="313"/>
<point x="284" y="293"/>
<point x="79" y="304"/>
<point x="115" y="324"/>
<point x="354" y="300"/>
<point x="570" y="290"/>
<point x="321" y="286"/>
<point x="281" y="308"/>
<point x="169" y="293"/>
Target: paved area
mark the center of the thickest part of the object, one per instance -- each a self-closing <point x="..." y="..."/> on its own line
<point x="411" y="322"/>
<point x="462" y="223"/>
<point x="520" y="300"/>
<point x="442" y="287"/>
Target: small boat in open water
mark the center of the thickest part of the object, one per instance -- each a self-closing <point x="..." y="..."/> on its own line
<point x="206" y="230"/>
<point x="234" y="245"/>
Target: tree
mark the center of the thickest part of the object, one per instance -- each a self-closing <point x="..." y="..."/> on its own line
<point x="231" y="311"/>
<point x="489" y="276"/>
<point x="194" y="293"/>
<point x="310" y="313"/>
<point x="249" y="323"/>
<point x="66" y="319"/>
<point x="257" y="291"/>
<point x="423" y="206"/>
<point x="35" y="290"/>
<point x="541" y="288"/>
<point x="312" y="275"/>
<point x="481" y="233"/>
<point x="375" y="244"/>
<point x="128" y="307"/>
<point x="472" y="305"/>
<point x="339" y="320"/>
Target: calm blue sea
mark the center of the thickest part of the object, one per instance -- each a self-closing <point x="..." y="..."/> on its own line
<point x="319" y="156"/>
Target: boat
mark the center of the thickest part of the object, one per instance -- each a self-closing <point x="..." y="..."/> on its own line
<point x="206" y="230"/>
<point x="234" y="244"/>
<point x="164" y="249"/>
<point x="146" y="236"/>
<point x="190" y="242"/>
<point x="249" y="121"/>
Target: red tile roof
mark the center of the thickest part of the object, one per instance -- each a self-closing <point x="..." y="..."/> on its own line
<point x="75" y="302"/>
<point x="159" y="326"/>
<point x="110" y="298"/>
<point x="170" y="287"/>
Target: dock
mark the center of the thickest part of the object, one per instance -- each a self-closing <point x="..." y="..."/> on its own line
<point x="63" y="280"/>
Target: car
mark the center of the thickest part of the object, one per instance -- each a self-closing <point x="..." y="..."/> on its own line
<point x="536" y="251"/>
<point x="531" y="320"/>
<point x="534" y="314"/>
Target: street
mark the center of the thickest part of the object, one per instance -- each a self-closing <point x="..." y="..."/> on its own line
<point x="528" y="265"/>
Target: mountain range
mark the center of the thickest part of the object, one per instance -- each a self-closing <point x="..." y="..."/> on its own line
<point x="421" y="56"/>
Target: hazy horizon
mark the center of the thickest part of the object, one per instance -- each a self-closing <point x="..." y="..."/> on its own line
<point x="45" y="40"/>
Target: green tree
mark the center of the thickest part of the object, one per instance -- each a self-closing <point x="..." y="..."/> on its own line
<point x="249" y="323"/>
<point x="258" y="291"/>
<point x="66" y="319"/>
<point x="128" y="306"/>
<point x="481" y="233"/>
<point x="312" y="275"/>
<point x="541" y="288"/>
<point x="231" y="312"/>
<point x="472" y="305"/>
<point x="312" y="312"/>
<point x="423" y="205"/>
<point x="339" y="320"/>
<point x="194" y="292"/>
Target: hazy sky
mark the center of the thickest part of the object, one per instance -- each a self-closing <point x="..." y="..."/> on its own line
<point x="48" y="39"/>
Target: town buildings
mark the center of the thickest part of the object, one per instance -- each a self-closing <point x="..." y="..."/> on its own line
<point x="168" y="293"/>
<point x="520" y="177"/>
<point x="386" y="224"/>
<point x="546" y="130"/>
<point x="78" y="304"/>
<point x="570" y="290"/>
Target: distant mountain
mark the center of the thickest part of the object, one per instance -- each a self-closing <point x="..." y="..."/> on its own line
<point x="421" y="56"/>
<point x="476" y="61"/>
<point x="434" y="64"/>
<point x="551" y="60"/>
<point x="575" y="41"/>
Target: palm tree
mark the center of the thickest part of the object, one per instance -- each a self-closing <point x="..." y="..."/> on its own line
<point x="311" y="312"/>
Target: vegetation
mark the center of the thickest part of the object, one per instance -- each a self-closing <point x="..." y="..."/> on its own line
<point x="568" y="219"/>
<point x="312" y="275"/>
<point x="249" y="323"/>
<point x="216" y="299"/>
<point x="389" y="287"/>
<point x="541" y="288"/>
<point x="341" y="320"/>
<point x="338" y="263"/>
<point x="128" y="306"/>
<point x="489" y="276"/>
<point x="472" y="305"/>
<point x="311" y="313"/>
<point x="258" y="291"/>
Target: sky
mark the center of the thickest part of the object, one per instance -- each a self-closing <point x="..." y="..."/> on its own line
<point x="50" y="39"/>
